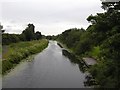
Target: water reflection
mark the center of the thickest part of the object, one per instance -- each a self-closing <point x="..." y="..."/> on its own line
<point x="73" y="59"/>
<point x="49" y="69"/>
<point x="89" y="80"/>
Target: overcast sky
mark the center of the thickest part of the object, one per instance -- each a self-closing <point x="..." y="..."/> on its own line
<point x="50" y="17"/>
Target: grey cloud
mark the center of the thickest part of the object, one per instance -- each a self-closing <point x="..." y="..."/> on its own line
<point x="50" y="14"/>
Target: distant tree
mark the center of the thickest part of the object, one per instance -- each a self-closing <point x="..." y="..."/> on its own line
<point x="22" y="37"/>
<point x="38" y="35"/>
<point x="92" y="19"/>
<point x="1" y="29"/>
<point x="49" y="37"/>
<point x="9" y="38"/>
<point x="29" y="32"/>
<point x="0" y="33"/>
<point x="71" y="37"/>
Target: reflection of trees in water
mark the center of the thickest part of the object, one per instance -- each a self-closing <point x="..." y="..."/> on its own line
<point x="89" y="80"/>
<point x="73" y="59"/>
<point x="71" y="56"/>
<point x="59" y="45"/>
<point x="82" y="67"/>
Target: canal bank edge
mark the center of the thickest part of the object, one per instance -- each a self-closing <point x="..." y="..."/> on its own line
<point x="71" y="52"/>
<point x="90" y="81"/>
<point x="8" y="65"/>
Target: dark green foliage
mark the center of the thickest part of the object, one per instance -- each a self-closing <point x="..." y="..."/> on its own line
<point x="111" y="47"/>
<point x="101" y="40"/>
<point x="22" y="37"/>
<point x="51" y="37"/>
<point x="29" y="32"/>
<point x="20" y="51"/>
<point x="83" y="46"/>
<point x="71" y="37"/>
<point x="6" y="65"/>
<point x="27" y="35"/>
<point x="1" y="31"/>
<point x="107" y="32"/>
<point x="110" y="6"/>
<point x="38" y="35"/>
<point x="10" y="38"/>
<point x="78" y="40"/>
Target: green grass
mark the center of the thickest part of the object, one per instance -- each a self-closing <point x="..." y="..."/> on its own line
<point x="0" y="49"/>
<point x="0" y="58"/>
<point x="19" y="51"/>
<point x="95" y="52"/>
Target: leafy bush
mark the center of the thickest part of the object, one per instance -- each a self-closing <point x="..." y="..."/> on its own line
<point x="100" y="40"/>
<point x="6" y="65"/>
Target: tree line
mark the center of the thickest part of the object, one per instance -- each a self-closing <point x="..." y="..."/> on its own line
<point x="27" y="35"/>
<point x="101" y="40"/>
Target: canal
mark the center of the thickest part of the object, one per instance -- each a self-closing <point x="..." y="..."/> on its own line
<point x="48" y="69"/>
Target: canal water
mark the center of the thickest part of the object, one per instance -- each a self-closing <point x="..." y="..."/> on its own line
<point x="49" y="69"/>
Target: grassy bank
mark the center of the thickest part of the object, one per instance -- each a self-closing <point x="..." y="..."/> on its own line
<point x="19" y="51"/>
<point x="0" y="58"/>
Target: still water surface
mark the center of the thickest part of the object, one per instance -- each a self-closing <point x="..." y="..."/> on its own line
<point x="49" y="69"/>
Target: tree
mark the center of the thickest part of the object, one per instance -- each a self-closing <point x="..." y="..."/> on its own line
<point x="0" y="33"/>
<point x="1" y="29"/>
<point x="38" y="35"/>
<point x="110" y="6"/>
<point x="9" y="38"/>
<point x="29" y="32"/>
